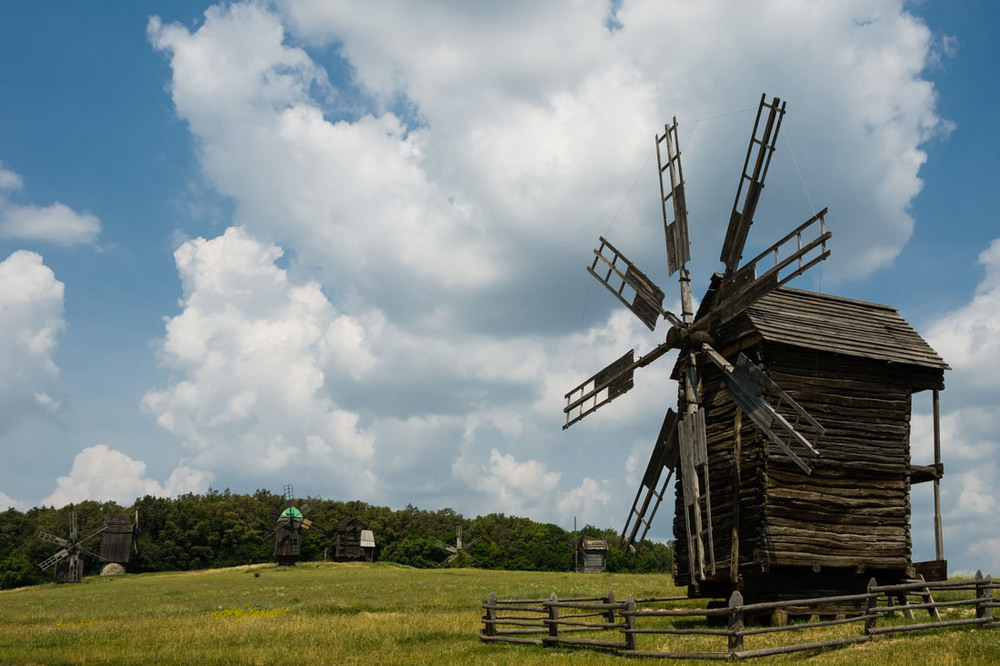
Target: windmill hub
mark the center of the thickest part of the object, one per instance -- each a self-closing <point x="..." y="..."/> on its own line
<point x="687" y="339"/>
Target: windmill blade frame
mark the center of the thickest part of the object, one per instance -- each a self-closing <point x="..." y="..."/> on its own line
<point x="647" y="297"/>
<point x="675" y="232"/>
<point x="742" y="218"/>
<point x="664" y="456"/>
<point x="746" y="385"/>
<point x="744" y="287"/>
<point x="616" y="379"/>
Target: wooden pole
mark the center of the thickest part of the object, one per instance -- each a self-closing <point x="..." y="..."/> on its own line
<point x="734" y="556"/>
<point x="938" y="536"/>
<point x="735" y="623"/>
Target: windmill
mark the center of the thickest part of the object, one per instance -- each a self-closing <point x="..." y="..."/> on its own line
<point x="288" y="529"/>
<point x="456" y="550"/>
<point x="68" y="560"/>
<point x="756" y="506"/>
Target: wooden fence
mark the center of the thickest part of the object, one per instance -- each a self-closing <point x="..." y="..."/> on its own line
<point x="613" y="625"/>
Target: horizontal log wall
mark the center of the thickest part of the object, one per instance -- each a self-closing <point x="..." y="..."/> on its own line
<point x="852" y="511"/>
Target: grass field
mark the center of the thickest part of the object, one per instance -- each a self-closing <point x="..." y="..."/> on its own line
<point x="326" y="613"/>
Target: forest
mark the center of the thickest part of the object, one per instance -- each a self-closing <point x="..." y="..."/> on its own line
<point x="223" y="529"/>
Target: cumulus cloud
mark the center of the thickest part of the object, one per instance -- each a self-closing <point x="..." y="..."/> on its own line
<point x="967" y="339"/>
<point x="8" y="502"/>
<point x="56" y="223"/>
<point x="105" y="474"/>
<point x="31" y="309"/>
<point x="254" y="354"/>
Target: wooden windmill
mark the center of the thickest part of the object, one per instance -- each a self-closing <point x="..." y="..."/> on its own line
<point x="806" y="485"/>
<point x="68" y="560"/>
<point x="288" y="530"/>
<point x="456" y="550"/>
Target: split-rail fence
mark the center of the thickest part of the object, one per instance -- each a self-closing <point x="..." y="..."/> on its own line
<point x="606" y="623"/>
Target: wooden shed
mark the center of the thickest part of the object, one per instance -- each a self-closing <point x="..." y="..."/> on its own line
<point x="853" y="366"/>
<point x="590" y="554"/>
<point x="349" y="540"/>
<point x="368" y="545"/>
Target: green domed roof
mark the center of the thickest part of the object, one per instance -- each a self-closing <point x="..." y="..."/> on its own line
<point x="291" y="512"/>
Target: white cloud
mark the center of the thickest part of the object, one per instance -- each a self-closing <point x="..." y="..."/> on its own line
<point x="589" y="501"/>
<point x="8" y="502"/>
<point x="105" y="474"/>
<point x="967" y="339"/>
<point x="31" y="308"/>
<point x="56" y="223"/>
<point x="255" y="356"/>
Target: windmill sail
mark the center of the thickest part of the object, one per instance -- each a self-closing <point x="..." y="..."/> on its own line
<point x="745" y="286"/>
<point x="675" y="232"/>
<point x="762" y="143"/>
<point x="616" y="272"/>
<point x="749" y="389"/>
<point x="664" y="457"/>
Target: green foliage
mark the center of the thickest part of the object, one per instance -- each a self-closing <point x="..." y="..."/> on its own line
<point x="220" y="529"/>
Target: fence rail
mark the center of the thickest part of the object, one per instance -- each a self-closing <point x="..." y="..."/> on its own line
<point x="549" y="623"/>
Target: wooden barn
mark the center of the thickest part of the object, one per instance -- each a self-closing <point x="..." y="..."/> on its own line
<point x="589" y="555"/>
<point x="830" y="525"/>
<point x="116" y="539"/>
<point x="349" y="545"/>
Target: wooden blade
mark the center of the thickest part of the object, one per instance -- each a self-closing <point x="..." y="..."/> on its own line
<point x="628" y="284"/>
<point x="745" y="287"/>
<point x="664" y="457"/>
<point x="58" y="557"/>
<point x="45" y="536"/>
<point x="676" y="232"/>
<point x="90" y="554"/>
<point x="751" y="390"/>
<point x="611" y="382"/>
<point x="758" y="159"/>
<point x="81" y="541"/>
<point x="448" y="560"/>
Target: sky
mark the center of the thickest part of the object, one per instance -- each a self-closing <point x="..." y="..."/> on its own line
<point x="341" y="244"/>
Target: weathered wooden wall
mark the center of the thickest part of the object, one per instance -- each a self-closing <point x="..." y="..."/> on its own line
<point x="852" y="511"/>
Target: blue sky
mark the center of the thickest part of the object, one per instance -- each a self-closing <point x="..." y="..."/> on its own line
<point x="256" y="243"/>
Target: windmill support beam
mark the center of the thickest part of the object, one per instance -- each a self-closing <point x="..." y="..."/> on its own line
<point x="938" y="532"/>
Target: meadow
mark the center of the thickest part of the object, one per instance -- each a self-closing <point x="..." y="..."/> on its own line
<point x="336" y="613"/>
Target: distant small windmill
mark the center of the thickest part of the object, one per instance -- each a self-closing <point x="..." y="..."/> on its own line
<point x="457" y="549"/>
<point x="288" y="530"/>
<point x="68" y="560"/>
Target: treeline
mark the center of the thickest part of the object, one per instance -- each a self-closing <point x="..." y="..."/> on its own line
<point x="221" y="529"/>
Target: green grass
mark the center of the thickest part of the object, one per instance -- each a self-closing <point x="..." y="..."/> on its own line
<point x="328" y="613"/>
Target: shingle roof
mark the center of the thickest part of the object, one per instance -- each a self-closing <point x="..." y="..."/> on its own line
<point x="841" y="326"/>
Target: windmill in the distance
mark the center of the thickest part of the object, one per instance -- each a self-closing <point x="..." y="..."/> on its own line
<point x="458" y="549"/>
<point x="288" y="529"/>
<point x="756" y="506"/>
<point x="68" y="560"/>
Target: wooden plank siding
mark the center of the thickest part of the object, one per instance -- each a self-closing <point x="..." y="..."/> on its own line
<point x="853" y="367"/>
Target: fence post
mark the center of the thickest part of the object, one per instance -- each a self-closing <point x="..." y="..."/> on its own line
<point x="983" y="596"/>
<point x="611" y="609"/>
<point x="871" y="607"/>
<point x="735" y="623"/>
<point x="491" y="615"/>
<point x="630" y="638"/>
<point x="553" y="616"/>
